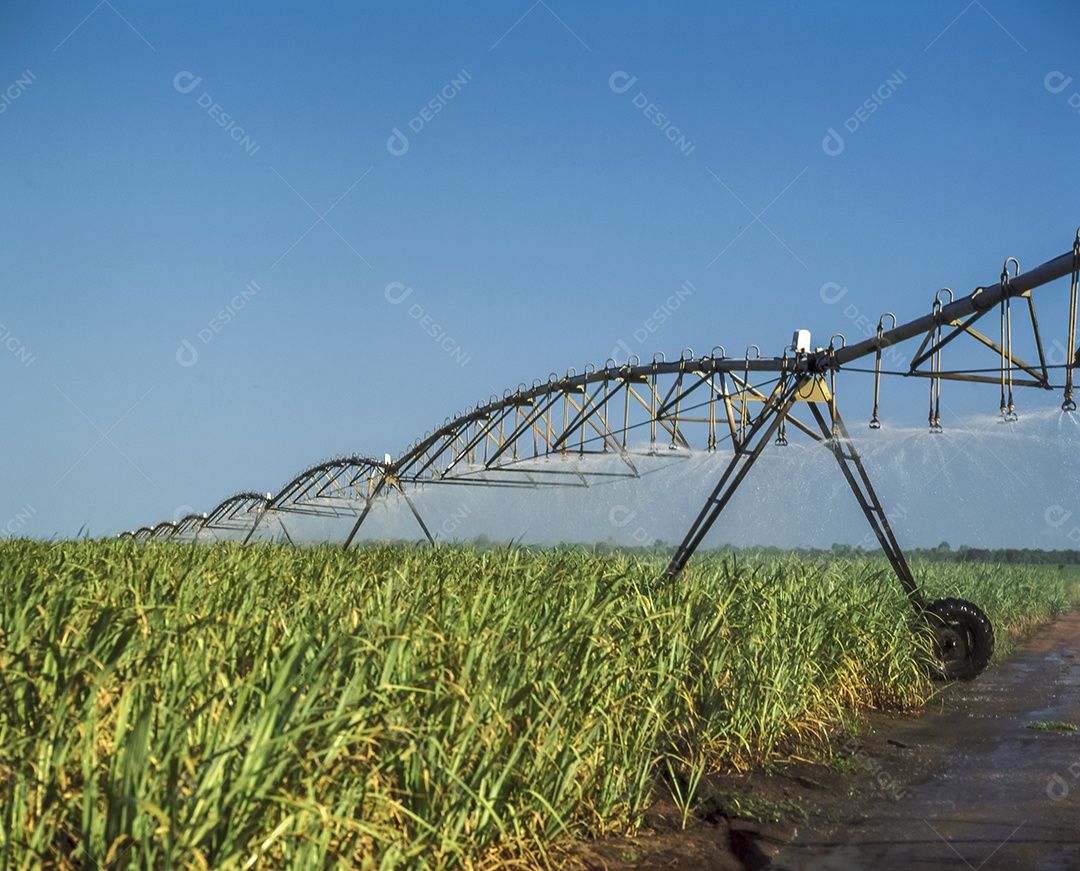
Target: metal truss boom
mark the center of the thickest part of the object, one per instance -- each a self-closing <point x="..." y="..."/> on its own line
<point x="661" y="410"/>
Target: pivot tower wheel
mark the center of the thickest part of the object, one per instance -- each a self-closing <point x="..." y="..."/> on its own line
<point x="963" y="638"/>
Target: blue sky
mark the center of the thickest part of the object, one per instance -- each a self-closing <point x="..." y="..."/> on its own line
<point x="207" y="213"/>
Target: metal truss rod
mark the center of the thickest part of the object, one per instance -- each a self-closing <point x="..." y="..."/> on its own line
<point x="492" y="433"/>
<point x="981" y="299"/>
<point x="371" y="501"/>
<point x="759" y="435"/>
<point x="356" y="526"/>
<point x="416" y="514"/>
<point x="283" y="529"/>
<point x="255" y="526"/>
<point x="868" y="501"/>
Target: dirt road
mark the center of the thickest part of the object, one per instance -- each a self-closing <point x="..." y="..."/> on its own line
<point x="967" y="784"/>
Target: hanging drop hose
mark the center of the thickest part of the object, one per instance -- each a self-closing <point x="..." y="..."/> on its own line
<point x="712" y="401"/>
<point x="746" y="391"/>
<point x="934" y="419"/>
<point x="1071" y="351"/>
<point x="781" y="432"/>
<point x="874" y="422"/>
<point x="832" y="382"/>
<point x="781" y="390"/>
<point x="1008" y="409"/>
<point x="935" y="363"/>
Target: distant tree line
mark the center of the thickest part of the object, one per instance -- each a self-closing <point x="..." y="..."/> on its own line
<point x="943" y="553"/>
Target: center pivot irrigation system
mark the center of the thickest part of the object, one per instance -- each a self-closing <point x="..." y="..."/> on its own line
<point x="551" y="433"/>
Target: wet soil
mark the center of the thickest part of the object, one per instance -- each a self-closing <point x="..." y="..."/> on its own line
<point x="964" y="784"/>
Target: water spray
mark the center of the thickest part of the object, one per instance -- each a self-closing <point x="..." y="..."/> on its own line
<point x="511" y="441"/>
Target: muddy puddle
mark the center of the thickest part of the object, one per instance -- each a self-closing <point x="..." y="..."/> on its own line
<point x="968" y="784"/>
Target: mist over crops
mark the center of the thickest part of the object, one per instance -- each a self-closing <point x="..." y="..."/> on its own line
<point x="981" y="483"/>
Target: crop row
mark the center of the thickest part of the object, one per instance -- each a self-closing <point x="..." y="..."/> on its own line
<point x="174" y="706"/>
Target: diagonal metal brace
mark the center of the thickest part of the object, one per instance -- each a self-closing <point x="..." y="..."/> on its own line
<point x="394" y="482"/>
<point x="834" y="435"/>
<point x="855" y="473"/>
<point x="759" y="435"/>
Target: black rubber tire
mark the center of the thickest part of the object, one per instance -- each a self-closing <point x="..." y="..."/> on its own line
<point x="963" y="638"/>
